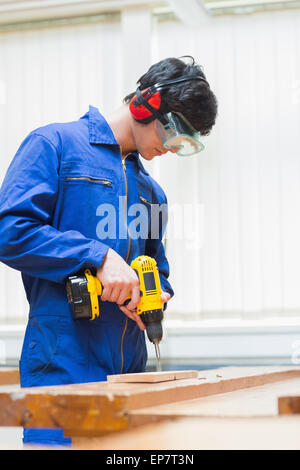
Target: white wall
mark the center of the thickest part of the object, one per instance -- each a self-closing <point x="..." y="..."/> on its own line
<point x="51" y="75"/>
<point x="247" y="180"/>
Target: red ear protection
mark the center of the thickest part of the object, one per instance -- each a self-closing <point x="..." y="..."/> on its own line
<point x="145" y="105"/>
<point x="139" y="110"/>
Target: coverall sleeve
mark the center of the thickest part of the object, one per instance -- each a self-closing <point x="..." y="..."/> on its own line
<point x="155" y="249"/>
<point x="28" y="196"/>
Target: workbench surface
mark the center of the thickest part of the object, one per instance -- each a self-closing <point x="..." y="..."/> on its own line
<point x="229" y="408"/>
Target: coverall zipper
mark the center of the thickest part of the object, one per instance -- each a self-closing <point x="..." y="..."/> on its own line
<point x="127" y="256"/>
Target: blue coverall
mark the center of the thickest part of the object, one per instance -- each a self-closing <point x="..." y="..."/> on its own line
<point x="50" y="208"/>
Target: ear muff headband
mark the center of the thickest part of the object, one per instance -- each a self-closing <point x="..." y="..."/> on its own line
<point x="145" y="105"/>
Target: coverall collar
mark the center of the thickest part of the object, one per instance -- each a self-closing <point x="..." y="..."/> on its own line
<point x="99" y="130"/>
<point x="101" y="133"/>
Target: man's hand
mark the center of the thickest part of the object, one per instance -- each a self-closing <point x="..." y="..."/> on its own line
<point x="119" y="280"/>
<point x="165" y="296"/>
<point x="134" y="316"/>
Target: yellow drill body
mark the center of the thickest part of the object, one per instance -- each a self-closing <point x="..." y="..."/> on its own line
<point x="150" y="290"/>
<point x="84" y="290"/>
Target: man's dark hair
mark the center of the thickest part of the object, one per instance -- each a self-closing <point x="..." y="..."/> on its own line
<point x="194" y="99"/>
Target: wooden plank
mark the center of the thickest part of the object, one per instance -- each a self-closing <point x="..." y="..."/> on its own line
<point x="92" y="408"/>
<point x="153" y="377"/>
<point x="210" y="433"/>
<point x="72" y="412"/>
<point x="251" y="402"/>
<point x="9" y="376"/>
<point x="288" y="405"/>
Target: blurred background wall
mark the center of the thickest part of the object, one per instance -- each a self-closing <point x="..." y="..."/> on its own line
<point x="234" y="230"/>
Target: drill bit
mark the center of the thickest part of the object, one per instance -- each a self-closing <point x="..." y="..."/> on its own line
<point x="158" y="364"/>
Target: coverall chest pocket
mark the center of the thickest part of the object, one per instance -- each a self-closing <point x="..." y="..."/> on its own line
<point x="84" y="191"/>
<point x="98" y="179"/>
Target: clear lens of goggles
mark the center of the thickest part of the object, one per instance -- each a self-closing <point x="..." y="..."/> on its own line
<point x="179" y="133"/>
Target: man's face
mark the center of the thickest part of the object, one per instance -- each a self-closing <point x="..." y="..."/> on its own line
<point x="147" y="141"/>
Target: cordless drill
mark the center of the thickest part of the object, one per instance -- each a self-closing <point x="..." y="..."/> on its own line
<point x="84" y="289"/>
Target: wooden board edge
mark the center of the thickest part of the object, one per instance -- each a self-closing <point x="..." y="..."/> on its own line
<point x="190" y="389"/>
<point x="94" y="413"/>
<point x="288" y="405"/>
<point x="77" y="412"/>
<point x="9" y="376"/>
<point x="153" y="377"/>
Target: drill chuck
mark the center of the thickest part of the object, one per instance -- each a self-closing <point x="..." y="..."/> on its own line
<point x="152" y="320"/>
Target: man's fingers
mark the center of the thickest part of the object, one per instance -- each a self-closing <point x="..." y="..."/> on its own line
<point x="133" y="316"/>
<point x="165" y="296"/>
<point x="123" y="296"/>
<point x="140" y="324"/>
<point x="127" y="312"/>
<point x="115" y="293"/>
<point x="106" y="293"/>
<point x="135" y="297"/>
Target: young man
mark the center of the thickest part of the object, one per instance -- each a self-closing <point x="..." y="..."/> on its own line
<point x="52" y="205"/>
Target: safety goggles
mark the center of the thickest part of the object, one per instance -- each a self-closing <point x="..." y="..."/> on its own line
<point x="178" y="133"/>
